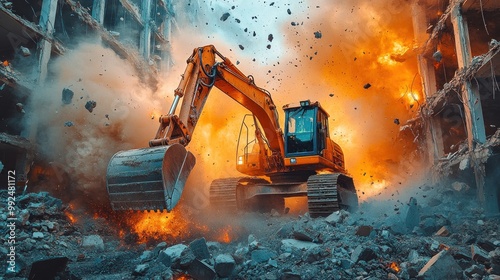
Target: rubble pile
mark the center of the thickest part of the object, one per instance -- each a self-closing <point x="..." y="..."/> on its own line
<point x="438" y="233"/>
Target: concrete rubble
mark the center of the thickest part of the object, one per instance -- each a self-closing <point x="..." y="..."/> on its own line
<point x="359" y="245"/>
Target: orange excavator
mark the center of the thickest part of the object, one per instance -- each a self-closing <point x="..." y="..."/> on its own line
<point x="302" y="160"/>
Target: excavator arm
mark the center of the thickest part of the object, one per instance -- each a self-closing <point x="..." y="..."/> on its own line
<point x="153" y="178"/>
<point x="203" y="73"/>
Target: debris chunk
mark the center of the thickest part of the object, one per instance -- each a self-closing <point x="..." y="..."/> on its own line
<point x="270" y="37"/>
<point x="67" y="95"/>
<point x="201" y="270"/>
<point x="443" y="231"/>
<point x="479" y="255"/>
<point x="363" y="254"/>
<point x="37" y="235"/>
<point x="90" y="105"/>
<point x="140" y="269"/>
<point x="396" y="121"/>
<point x="20" y="108"/>
<point x="224" y="16"/>
<point x="224" y="265"/>
<point x="441" y="266"/>
<point x="25" y="51"/>
<point x="367" y="86"/>
<point x="262" y="255"/>
<point x="93" y="241"/>
<point x="68" y="124"/>
<point x="289" y="11"/>
<point x="199" y="248"/>
<point x="364" y="230"/>
<point x="318" y="35"/>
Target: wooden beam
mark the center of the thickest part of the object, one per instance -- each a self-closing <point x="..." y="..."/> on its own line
<point x="98" y="9"/>
<point x="145" y="37"/>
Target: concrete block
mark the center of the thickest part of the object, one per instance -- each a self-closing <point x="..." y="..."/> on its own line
<point x="93" y="241"/>
<point x="364" y="230"/>
<point x="262" y="255"/>
<point x="479" y="255"/>
<point x="201" y="270"/>
<point x="443" y="231"/>
<point x="224" y="265"/>
<point x="362" y="254"/>
<point x="440" y="266"/>
<point x="199" y="248"/>
<point x="288" y="245"/>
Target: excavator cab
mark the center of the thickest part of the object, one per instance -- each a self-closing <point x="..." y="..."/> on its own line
<point x="306" y="129"/>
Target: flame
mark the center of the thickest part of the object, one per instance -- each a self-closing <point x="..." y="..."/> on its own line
<point x="70" y="217"/>
<point x="395" y="267"/>
<point x="225" y="235"/>
<point x="5" y="63"/>
<point x="157" y="224"/>
<point x="395" y="55"/>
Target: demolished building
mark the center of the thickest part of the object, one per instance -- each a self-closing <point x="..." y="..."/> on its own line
<point x="458" y="65"/>
<point x="33" y="33"/>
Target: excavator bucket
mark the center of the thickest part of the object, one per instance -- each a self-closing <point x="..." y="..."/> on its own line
<point x="149" y="178"/>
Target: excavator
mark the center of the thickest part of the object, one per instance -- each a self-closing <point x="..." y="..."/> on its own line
<point x="302" y="160"/>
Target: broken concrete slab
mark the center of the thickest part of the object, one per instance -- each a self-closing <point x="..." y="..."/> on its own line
<point x="443" y="231"/>
<point x="94" y="241"/>
<point x="337" y="217"/>
<point x="363" y="254"/>
<point x="140" y="269"/>
<point x="288" y="245"/>
<point x="199" y="248"/>
<point x="185" y="259"/>
<point x="479" y="255"/>
<point x="495" y="256"/>
<point x="201" y="270"/>
<point x="302" y="236"/>
<point x="224" y="265"/>
<point x="171" y="256"/>
<point x="364" y="230"/>
<point x="441" y="266"/>
<point x="262" y="255"/>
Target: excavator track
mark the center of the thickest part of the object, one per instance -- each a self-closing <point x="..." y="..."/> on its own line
<point x="223" y="194"/>
<point x="327" y="193"/>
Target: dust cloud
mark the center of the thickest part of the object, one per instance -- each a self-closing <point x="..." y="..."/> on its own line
<point x="80" y="143"/>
